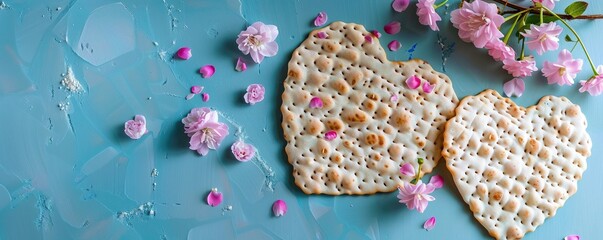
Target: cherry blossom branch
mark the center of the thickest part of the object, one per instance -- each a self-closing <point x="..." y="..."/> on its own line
<point x="519" y="8"/>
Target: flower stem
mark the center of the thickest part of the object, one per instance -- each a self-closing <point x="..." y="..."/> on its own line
<point x="441" y="4"/>
<point x="418" y="175"/>
<point x="519" y="8"/>
<point x="523" y="48"/>
<point x="516" y="14"/>
<point x="510" y="32"/>
<point x="590" y="61"/>
<point x="541" y="16"/>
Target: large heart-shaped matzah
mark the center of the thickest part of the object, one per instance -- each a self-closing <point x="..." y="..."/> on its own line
<point x="375" y="135"/>
<point x="515" y="166"/>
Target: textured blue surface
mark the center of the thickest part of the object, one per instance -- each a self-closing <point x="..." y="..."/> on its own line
<point x="72" y="173"/>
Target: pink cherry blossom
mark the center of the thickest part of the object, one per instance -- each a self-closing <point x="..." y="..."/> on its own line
<point x="515" y="87"/>
<point x="241" y="65"/>
<point x="394" y="45"/>
<point x="254" y="94"/>
<point x="478" y="22"/>
<point x="184" y="53"/>
<point x="214" y="198"/>
<point x="550" y="4"/>
<point x="500" y="51"/>
<point x="413" y="82"/>
<point x="430" y="223"/>
<point x="258" y="40"/>
<point x="204" y="130"/>
<point x="572" y="237"/>
<point x="136" y="128"/>
<point x="207" y="71"/>
<point x="564" y="70"/>
<point x="427" y="87"/>
<point x="427" y="14"/>
<point x="321" y="19"/>
<point x="408" y="170"/>
<point x="279" y="208"/>
<point x="594" y="86"/>
<point x="392" y="28"/>
<point x="543" y="38"/>
<point x="330" y="135"/>
<point x="400" y="5"/>
<point x="242" y="151"/>
<point x="416" y="196"/>
<point x="316" y="102"/>
<point x="520" y="68"/>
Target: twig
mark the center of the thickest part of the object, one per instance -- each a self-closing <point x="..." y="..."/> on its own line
<point x="519" y="8"/>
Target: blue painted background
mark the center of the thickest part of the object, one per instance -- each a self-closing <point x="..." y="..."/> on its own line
<point x="73" y="174"/>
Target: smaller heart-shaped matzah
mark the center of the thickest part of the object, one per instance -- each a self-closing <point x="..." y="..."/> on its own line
<point x="375" y="133"/>
<point x="513" y="166"/>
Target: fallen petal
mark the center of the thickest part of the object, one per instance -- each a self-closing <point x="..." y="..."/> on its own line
<point x="394" y="98"/>
<point x="205" y="97"/>
<point x="368" y="38"/>
<point x="214" y="198"/>
<point x="430" y="223"/>
<point x="190" y="96"/>
<point x="184" y="53"/>
<point x="413" y="82"/>
<point x="207" y="71"/>
<point x="330" y="135"/>
<point x="196" y="89"/>
<point x="279" y="208"/>
<point x="407" y="169"/>
<point x="427" y="88"/>
<point x="321" y="35"/>
<point x="241" y="65"/>
<point x="515" y="87"/>
<point x="376" y="33"/>
<point x="316" y="102"/>
<point x="394" y="45"/>
<point x="572" y="237"/>
<point x="321" y="19"/>
<point x="392" y="27"/>
<point x="400" y="5"/>
<point x="437" y="181"/>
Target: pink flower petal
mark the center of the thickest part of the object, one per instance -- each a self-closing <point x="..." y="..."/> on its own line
<point x="184" y="53"/>
<point x="205" y="97"/>
<point x="316" y="102"/>
<point x="190" y="96"/>
<point x="394" y="45"/>
<point x="330" y="135"/>
<point x="572" y="237"/>
<point x="214" y="198"/>
<point x="376" y="33"/>
<point x="279" y="208"/>
<point x="413" y="82"/>
<point x="321" y="35"/>
<point x="321" y="19"/>
<point x="430" y="223"/>
<point x="400" y="5"/>
<point x="368" y="38"/>
<point x="437" y="181"/>
<point x="196" y="89"/>
<point x="407" y="169"/>
<point x="207" y="71"/>
<point x="241" y="65"/>
<point x="515" y="87"/>
<point x="392" y="27"/>
<point x="394" y="98"/>
<point x="427" y="88"/>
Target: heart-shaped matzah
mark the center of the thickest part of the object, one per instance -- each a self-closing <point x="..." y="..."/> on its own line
<point x="375" y="134"/>
<point x="513" y="166"/>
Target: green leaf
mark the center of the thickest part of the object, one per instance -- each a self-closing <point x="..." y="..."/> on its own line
<point x="568" y="38"/>
<point x="576" y="8"/>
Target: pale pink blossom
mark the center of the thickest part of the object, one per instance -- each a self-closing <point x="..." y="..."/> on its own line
<point x="214" y="198"/>
<point x="407" y="169"/>
<point x="514" y="87"/>
<point x="254" y="94"/>
<point x="429" y="224"/>
<point x="500" y="51"/>
<point x="136" y="128"/>
<point x="594" y="86"/>
<point x="543" y="38"/>
<point x="564" y="70"/>
<point x="478" y="22"/>
<point x="321" y="19"/>
<point x="204" y="130"/>
<point x="184" y="53"/>
<point x="242" y="151"/>
<point x="392" y="28"/>
<point x="413" y="82"/>
<point x="400" y="5"/>
<point x="330" y="135"/>
<point x="258" y="40"/>
<point x="550" y="4"/>
<point x="520" y="68"/>
<point x="279" y="208"/>
<point x="427" y="14"/>
<point x="416" y="196"/>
